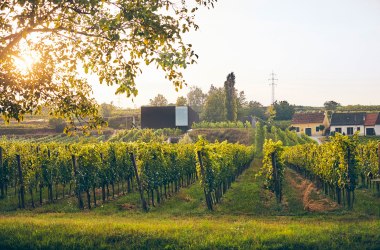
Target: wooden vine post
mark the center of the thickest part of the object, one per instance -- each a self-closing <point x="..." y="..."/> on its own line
<point x="103" y="182"/>
<point x="2" y="180"/>
<point x="207" y="194"/>
<point x="41" y="183"/>
<point x="77" y="183"/>
<point x="378" y="172"/>
<point x="21" y="181"/>
<point x="277" y="186"/>
<point x="143" y="202"/>
<point x="349" y="180"/>
<point x="50" y="183"/>
<point x="377" y="180"/>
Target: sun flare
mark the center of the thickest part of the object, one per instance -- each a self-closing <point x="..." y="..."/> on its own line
<point x="24" y="63"/>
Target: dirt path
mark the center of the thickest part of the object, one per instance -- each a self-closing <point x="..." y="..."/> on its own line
<point x="311" y="197"/>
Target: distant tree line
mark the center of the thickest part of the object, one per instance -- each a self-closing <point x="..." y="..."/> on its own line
<point x="227" y="104"/>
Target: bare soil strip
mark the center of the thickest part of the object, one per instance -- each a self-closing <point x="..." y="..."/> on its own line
<point x="311" y="197"/>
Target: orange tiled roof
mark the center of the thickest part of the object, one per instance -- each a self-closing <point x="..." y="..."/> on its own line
<point x="370" y="119"/>
<point x="303" y="118"/>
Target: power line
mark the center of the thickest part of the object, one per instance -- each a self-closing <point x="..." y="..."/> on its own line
<point x="273" y="84"/>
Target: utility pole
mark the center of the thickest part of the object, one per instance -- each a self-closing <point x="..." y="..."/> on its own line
<point x="273" y="84"/>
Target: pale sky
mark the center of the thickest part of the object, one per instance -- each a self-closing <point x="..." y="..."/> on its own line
<point x="320" y="49"/>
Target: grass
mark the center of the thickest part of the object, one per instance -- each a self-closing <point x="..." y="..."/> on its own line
<point x="247" y="218"/>
<point x="367" y="202"/>
<point x="247" y="196"/>
<point x="88" y="231"/>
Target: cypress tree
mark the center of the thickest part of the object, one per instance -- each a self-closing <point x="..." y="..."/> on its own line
<point x="230" y="97"/>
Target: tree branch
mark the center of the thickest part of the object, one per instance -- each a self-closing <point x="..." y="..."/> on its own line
<point x="18" y="36"/>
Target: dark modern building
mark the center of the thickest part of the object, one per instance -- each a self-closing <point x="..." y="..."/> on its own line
<point x="181" y="117"/>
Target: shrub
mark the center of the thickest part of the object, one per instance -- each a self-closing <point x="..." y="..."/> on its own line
<point x="58" y="124"/>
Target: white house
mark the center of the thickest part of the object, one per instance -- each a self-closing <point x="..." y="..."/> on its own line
<point x="348" y="123"/>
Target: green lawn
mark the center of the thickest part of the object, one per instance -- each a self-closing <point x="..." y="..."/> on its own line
<point x="247" y="218"/>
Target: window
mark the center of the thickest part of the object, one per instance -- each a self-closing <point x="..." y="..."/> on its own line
<point x="297" y="129"/>
<point x="358" y="129"/>
<point x="370" y="131"/>
<point x="338" y="130"/>
<point x="317" y="129"/>
<point x="350" y="131"/>
<point x="308" y="131"/>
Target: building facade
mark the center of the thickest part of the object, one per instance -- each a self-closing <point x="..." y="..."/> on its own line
<point x="348" y="123"/>
<point x="311" y="124"/>
<point x="181" y="117"/>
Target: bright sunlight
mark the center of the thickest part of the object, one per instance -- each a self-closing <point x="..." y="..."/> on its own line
<point x="25" y="62"/>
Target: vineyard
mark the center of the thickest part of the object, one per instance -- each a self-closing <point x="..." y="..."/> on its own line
<point x="157" y="170"/>
<point x="56" y="138"/>
<point x="335" y="166"/>
<point x="189" y="124"/>
<point x="145" y="135"/>
<point x="121" y="194"/>
<point x="226" y="124"/>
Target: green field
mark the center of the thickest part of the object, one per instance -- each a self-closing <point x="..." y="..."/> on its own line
<point x="248" y="217"/>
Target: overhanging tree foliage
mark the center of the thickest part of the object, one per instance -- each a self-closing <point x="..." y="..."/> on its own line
<point x="109" y="38"/>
